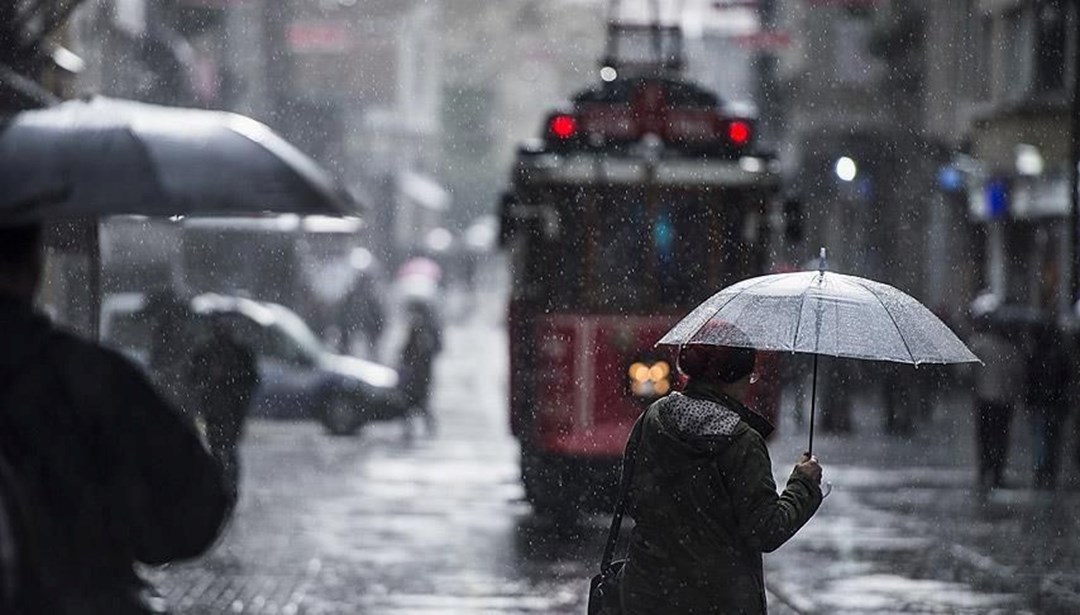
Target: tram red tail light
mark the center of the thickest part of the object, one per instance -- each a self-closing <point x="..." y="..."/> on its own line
<point x="563" y="126"/>
<point x="739" y="132"/>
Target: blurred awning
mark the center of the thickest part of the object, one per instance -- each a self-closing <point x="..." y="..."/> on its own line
<point x="19" y="92"/>
<point x="424" y="191"/>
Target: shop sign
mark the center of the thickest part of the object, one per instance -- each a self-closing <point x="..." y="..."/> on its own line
<point x="990" y="200"/>
<point x="1040" y="197"/>
<point x="318" y="36"/>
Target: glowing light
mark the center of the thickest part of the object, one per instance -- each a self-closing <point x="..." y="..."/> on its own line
<point x="439" y="239"/>
<point x="751" y="164"/>
<point x="640" y="372"/>
<point x="739" y="132"/>
<point x="662" y="387"/>
<point x="361" y="259"/>
<point x="659" y="371"/>
<point x="846" y="169"/>
<point x="564" y="126"/>
<point x="1029" y="160"/>
<point x="608" y="74"/>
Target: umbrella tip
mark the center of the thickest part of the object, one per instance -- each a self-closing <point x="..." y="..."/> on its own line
<point x="821" y="261"/>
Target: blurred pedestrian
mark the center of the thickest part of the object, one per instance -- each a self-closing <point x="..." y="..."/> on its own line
<point x="996" y="387"/>
<point x="702" y="494"/>
<point x="110" y="472"/>
<point x="422" y="344"/>
<point x="361" y="315"/>
<point x="169" y="347"/>
<point x="224" y="374"/>
<point x="1046" y="394"/>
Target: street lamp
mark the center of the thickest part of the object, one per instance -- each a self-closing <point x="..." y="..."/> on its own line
<point x="1029" y="160"/>
<point x="846" y="169"/>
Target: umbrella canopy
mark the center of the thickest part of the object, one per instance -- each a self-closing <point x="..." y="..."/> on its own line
<point x="822" y="313"/>
<point x="101" y="156"/>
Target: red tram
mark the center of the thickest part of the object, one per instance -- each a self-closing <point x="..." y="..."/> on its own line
<point x="644" y="196"/>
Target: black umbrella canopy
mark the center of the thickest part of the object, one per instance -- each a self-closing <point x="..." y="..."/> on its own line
<point x="100" y="157"/>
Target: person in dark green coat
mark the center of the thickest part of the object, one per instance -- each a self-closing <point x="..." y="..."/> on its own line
<point x="703" y="497"/>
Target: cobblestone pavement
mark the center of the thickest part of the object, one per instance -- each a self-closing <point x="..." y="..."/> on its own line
<point x="904" y="530"/>
<point x="391" y="523"/>
<point x="388" y="522"/>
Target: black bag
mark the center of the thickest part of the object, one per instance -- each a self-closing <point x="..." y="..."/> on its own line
<point x="604" y="590"/>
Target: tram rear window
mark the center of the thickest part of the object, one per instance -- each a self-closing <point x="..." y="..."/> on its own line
<point x="628" y="251"/>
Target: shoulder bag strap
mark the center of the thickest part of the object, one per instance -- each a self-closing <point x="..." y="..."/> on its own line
<point x="629" y="460"/>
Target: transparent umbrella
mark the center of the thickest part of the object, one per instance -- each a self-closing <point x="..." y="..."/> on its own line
<point x="822" y="313"/>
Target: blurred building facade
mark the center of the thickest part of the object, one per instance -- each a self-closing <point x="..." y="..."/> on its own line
<point x="38" y="69"/>
<point x="507" y="64"/>
<point x="851" y="142"/>
<point x="382" y="92"/>
<point x="1007" y="98"/>
<point x="353" y="84"/>
<point x="953" y="122"/>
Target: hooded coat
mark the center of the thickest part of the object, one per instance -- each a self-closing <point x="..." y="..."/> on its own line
<point x="110" y="472"/>
<point x="705" y="507"/>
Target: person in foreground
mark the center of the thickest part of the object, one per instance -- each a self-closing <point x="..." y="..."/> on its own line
<point x="108" y="472"/>
<point x="703" y="497"/>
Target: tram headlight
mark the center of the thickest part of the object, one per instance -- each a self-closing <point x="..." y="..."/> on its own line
<point x="650" y="380"/>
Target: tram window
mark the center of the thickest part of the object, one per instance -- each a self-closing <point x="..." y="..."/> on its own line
<point x="570" y="264"/>
<point x="621" y="270"/>
<point x="632" y="263"/>
<point x="681" y="243"/>
<point x="556" y="256"/>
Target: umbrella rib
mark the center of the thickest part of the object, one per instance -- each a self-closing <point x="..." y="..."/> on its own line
<point x="798" y="321"/>
<point x="914" y="361"/>
<point x="151" y="165"/>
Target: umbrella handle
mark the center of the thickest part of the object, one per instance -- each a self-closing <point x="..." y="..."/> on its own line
<point x="813" y="407"/>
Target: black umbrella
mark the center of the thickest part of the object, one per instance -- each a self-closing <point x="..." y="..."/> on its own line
<point x="100" y="156"/>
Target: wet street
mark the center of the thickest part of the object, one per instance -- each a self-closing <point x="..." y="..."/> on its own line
<point x="391" y="521"/>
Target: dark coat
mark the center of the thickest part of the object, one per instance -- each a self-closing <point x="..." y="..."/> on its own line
<point x="112" y="474"/>
<point x="1049" y="368"/>
<point x="417" y="359"/>
<point x="224" y="374"/>
<point x="705" y="507"/>
<point x="223" y="377"/>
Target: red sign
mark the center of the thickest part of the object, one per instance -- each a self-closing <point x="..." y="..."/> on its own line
<point x="775" y="40"/>
<point x="844" y="3"/>
<point x="210" y="3"/>
<point x="318" y="37"/>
